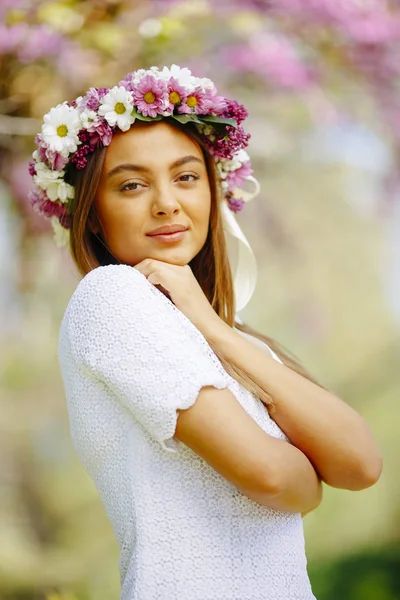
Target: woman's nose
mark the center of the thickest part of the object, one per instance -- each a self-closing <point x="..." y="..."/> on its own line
<point x="165" y="201"/>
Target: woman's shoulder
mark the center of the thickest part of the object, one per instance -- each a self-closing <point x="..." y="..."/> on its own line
<point x="111" y="290"/>
<point x="110" y="282"/>
<point x="108" y="277"/>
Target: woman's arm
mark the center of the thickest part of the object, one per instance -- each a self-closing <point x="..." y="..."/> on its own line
<point x="269" y="471"/>
<point x="295" y="485"/>
<point x="334" y="437"/>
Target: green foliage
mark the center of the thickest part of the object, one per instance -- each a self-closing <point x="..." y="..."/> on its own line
<point x="373" y="575"/>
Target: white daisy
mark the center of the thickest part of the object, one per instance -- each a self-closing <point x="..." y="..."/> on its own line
<point x="138" y="76"/>
<point x="65" y="192"/>
<point x="242" y="156"/>
<point x="46" y="177"/>
<point x="61" y="235"/>
<point x="182" y="75"/>
<point x="60" y="129"/>
<point x="116" y="107"/>
<point x="88" y="118"/>
<point x="52" y="182"/>
<point x="205" y="83"/>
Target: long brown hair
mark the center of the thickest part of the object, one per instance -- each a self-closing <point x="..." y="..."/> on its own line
<point x="210" y="266"/>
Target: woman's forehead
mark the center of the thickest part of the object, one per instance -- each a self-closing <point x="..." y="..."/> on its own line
<point x="151" y="143"/>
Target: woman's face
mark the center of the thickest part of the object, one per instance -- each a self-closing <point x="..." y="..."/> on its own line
<point x="153" y="175"/>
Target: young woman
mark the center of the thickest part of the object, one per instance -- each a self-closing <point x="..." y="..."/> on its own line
<point x="205" y="445"/>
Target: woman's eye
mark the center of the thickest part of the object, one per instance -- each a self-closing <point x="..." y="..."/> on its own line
<point x="188" y="177"/>
<point x="131" y="186"/>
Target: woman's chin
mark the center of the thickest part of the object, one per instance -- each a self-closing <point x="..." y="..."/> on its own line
<point x="176" y="256"/>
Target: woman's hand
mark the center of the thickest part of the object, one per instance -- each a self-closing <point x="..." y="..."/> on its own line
<point x="182" y="287"/>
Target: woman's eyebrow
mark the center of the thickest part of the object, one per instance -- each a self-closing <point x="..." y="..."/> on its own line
<point x="184" y="160"/>
<point x="131" y="167"/>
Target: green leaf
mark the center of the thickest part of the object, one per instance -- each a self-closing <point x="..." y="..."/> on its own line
<point x="141" y="117"/>
<point x="186" y="118"/>
<point x="221" y="120"/>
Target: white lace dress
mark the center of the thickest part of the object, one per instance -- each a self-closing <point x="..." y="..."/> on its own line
<point x="129" y="358"/>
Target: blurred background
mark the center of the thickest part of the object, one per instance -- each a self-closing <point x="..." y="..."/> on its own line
<point x="321" y="81"/>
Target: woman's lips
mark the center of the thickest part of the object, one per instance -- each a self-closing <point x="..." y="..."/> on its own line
<point x="169" y="238"/>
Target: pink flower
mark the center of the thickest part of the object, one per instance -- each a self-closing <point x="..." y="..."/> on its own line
<point x="150" y="96"/>
<point x="98" y="134"/>
<point x="218" y="104"/>
<point x="176" y="94"/>
<point x="42" y="205"/>
<point x="236" y="178"/>
<point x="198" y="102"/>
<point x="53" y="159"/>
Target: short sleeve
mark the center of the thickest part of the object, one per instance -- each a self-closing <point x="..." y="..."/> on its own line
<point x="144" y="349"/>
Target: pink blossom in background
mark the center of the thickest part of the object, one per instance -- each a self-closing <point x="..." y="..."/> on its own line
<point x="20" y="183"/>
<point x="373" y="28"/>
<point x="6" y="5"/>
<point x="274" y="58"/>
<point x="11" y="38"/>
<point x="41" y="42"/>
<point x="378" y="63"/>
<point x="77" y="64"/>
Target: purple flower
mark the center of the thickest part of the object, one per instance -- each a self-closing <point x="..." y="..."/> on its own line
<point x="198" y="102"/>
<point x="151" y="96"/>
<point x="176" y="94"/>
<point x="32" y="168"/>
<point x="234" y="110"/>
<point x="228" y="143"/>
<point x="126" y="82"/>
<point x="79" y="157"/>
<point x="92" y="98"/>
<point x="235" y="204"/>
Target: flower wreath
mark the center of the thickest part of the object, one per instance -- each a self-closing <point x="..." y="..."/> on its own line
<point x="73" y="130"/>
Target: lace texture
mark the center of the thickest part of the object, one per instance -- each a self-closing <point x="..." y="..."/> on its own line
<point x="129" y="359"/>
